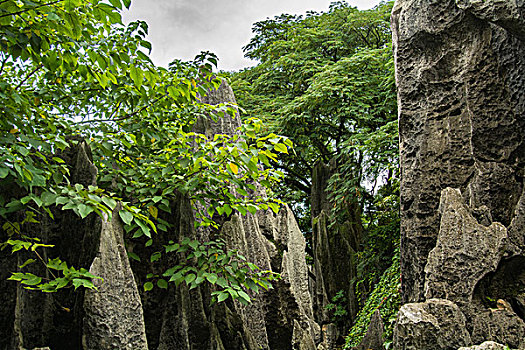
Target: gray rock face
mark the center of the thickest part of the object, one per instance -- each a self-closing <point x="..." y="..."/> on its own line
<point x="281" y="318"/>
<point x="499" y="325"/>
<point x="75" y="319"/>
<point x="432" y="325"/>
<point x="464" y="253"/>
<point x="488" y="345"/>
<point x="113" y="314"/>
<point x="373" y="339"/>
<point x="334" y="248"/>
<point x="460" y="71"/>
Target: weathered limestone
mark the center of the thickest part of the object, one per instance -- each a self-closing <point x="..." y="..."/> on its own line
<point x="334" y="248"/>
<point x="460" y="71"/>
<point x="432" y="325"/>
<point x="113" y="314"/>
<point x="281" y="318"/>
<point x="373" y="338"/>
<point x="499" y="325"/>
<point x="488" y="345"/>
<point x="72" y="319"/>
<point x="461" y="107"/>
<point x="464" y="253"/>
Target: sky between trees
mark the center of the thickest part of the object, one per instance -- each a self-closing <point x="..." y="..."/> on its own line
<point x="183" y="28"/>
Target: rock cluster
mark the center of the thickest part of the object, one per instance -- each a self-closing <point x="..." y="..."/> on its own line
<point x="111" y="318"/>
<point x="334" y="246"/>
<point x="460" y="71"/>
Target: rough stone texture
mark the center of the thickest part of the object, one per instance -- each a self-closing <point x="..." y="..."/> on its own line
<point x="465" y="251"/>
<point x="373" y="339"/>
<point x="113" y="314"/>
<point x="488" y="345"/>
<point x="508" y="14"/>
<point x="432" y="325"/>
<point x="460" y="70"/>
<point x="330" y="335"/>
<point x="294" y="269"/>
<point x="334" y="248"/>
<point x="499" y="325"/>
<point x="56" y="319"/>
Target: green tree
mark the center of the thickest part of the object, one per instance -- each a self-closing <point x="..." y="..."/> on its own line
<point x="71" y="72"/>
<point x="327" y="82"/>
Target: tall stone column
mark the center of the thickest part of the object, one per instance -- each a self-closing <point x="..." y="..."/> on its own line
<point x="460" y="71"/>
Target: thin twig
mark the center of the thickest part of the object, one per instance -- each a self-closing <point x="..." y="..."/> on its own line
<point x="27" y="10"/>
<point x="123" y="117"/>
<point x="34" y="251"/>
<point x="28" y="76"/>
<point x="43" y="262"/>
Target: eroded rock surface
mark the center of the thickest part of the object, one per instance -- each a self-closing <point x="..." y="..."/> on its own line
<point x="373" y="339"/>
<point x="334" y="246"/>
<point x="71" y="319"/>
<point x="465" y="251"/>
<point x="113" y="314"/>
<point x="488" y="345"/>
<point x="281" y="318"/>
<point x="460" y="71"/>
<point x="432" y="325"/>
<point x="460" y="76"/>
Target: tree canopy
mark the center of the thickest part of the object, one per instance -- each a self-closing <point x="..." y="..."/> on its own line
<point x="326" y="81"/>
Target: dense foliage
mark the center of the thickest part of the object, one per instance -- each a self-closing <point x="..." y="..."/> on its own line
<point x="326" y="81"/>
<point x="72" y="73"/>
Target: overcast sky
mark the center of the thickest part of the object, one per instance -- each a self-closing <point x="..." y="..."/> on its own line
<point x="183" y="28"/>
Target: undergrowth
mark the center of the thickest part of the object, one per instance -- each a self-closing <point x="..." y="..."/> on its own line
<point x="387" y="298"/>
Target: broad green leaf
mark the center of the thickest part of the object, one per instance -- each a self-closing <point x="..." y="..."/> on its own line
<point x="189" y="278"/>
<point x="244" y="296"/>
<point x="3" y="172"/>
<point x="155" y="256"/>
<point x="27" y="262"/>
<point x="212" y="278"/>
<point x="136" y="76"/>
<point x="126" y="216"/>
<point x="148" y="286"/>
<point x="222" y="296"/>
<point x="162" y="284"/>
<point x="110" y="202"/>
<point x="84" y="210"/>
<point x="279" y="147"/>
<point x="134" y="256"/>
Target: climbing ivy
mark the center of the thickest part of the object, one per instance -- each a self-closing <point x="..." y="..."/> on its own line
<point x="386" y="298"/>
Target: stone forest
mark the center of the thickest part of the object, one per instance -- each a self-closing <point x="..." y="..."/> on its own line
<point x="360" y="187"/>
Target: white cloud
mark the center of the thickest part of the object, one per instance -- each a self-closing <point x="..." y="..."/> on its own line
<point x="183" y="28"/>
